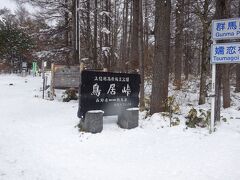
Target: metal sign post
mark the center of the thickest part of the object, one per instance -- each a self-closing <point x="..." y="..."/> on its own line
<point x="213" y="96"/>
<point x="223" y="53"/>
<point x="43" y="77"/>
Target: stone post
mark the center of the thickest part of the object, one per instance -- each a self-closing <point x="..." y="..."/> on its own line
<point x="93" y="122"/>
<point x="128" y="119"/>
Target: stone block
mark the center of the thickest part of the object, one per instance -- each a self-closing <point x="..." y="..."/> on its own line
<point x="128" y="119"/>
<point x="93" y="122"/>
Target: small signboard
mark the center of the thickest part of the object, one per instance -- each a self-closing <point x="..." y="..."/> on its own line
<point x="226" y="29"/>
<point x="34" y="68"/>
<point x="225" y="53"/>
<point x="24" y="65"/>
<point x="64" y="77"/>
<point x="110" y="92"/>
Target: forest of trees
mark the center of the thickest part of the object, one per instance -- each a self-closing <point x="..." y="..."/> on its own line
<point x="162" y="40"/>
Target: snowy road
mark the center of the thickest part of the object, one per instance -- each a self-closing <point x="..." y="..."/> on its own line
<point x="38" y="141"/>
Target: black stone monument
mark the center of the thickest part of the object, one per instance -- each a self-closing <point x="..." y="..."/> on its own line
<point x="113" y="94"/>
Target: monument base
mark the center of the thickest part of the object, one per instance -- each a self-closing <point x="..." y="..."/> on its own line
<point x="93" y="122"/>
<point x="128" y="119"/>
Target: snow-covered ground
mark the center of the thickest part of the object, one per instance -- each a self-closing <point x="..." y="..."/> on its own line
<point x="39" y="141"/>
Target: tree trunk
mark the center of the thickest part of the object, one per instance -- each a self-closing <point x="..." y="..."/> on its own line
<point x="125" y="36"/>
<point x="187" y="45"/>
<point x="179" y="44"/>
<point x="101" y="37"/>
<point x="74" y="34"/>
<point x="221" y="13"/>
<point x="88" y="34"/>
<point x="134" y="62"/>
<point x="238" y="65"/>
<point x="226" y="86"/>
<point x="146" y="34"/>
<point x="237" y="78"/>
<point x="115" y="25"/>
<point x="203" y="79"/>
<point x="106" y="55"/>
<point x="66" y="35"/>
<point x="78" y="48"/>
<point x="226" y="67"/>
<point x="141" y="57"/>
<point x="161" y="56"/>
<point x="204" y="61"/>
<point x="95" y="34"/>
<point x="218" y="93"/>
<point x="129" y="48"/>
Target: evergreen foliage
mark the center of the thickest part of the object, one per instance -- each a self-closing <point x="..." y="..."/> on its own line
<point x="14" y="42"/>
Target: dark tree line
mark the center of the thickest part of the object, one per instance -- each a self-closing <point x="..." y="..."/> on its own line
<point x="159" y="39"/>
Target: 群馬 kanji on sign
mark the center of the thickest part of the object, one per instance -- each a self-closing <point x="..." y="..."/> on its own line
<point x="226" y="29"/>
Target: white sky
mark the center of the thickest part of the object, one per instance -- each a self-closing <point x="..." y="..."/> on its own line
<point x="10" y="4"/>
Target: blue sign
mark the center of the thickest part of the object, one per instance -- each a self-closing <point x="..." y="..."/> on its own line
<point x="225" y="53"/>
<point x="226" y="29"/>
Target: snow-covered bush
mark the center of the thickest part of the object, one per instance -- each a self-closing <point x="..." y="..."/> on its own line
<point x="70" y="94"/>
<point x="194" y="120"/>
<point x="172" y="105"/>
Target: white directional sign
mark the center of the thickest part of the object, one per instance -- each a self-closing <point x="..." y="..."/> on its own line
<point x="225" y="53"/>
<point x="226" y="29"/>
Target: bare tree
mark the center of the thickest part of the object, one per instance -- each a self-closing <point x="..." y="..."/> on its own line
<point x="205" y="18"/>
<point x="221" y="13"/>
<point x="187" y="39"/>
<point x="124" y="45"/>
<point x="141" y="57"/>
<point x="179" y="43"/>
<point x="161" y="56"/>
<point x="95" y="33"/>
<point x="134" y="62"/>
